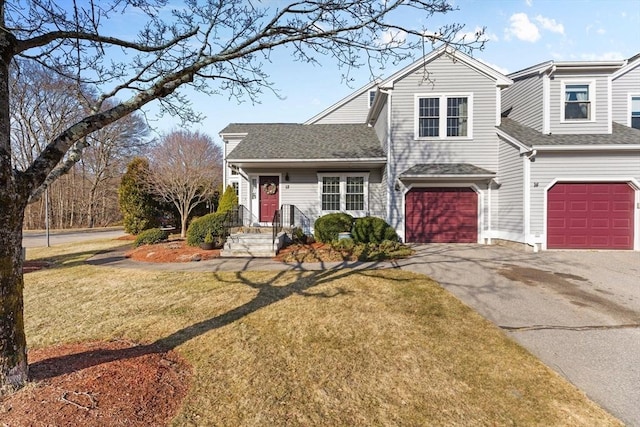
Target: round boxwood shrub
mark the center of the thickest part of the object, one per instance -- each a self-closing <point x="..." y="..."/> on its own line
<point x="371" y="229"/>
<point x="199" y="228"/>
<point x="327" y="227"/>
<point x="151" y="237"/>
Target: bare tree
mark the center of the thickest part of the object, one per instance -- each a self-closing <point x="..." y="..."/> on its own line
<point x="186" y="168"/>
<point x="214" y="46"/>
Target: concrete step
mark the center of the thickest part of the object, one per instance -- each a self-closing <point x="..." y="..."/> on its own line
<point x="249" y="245"/>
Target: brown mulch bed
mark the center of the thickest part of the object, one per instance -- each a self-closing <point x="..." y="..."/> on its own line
<point x="115" y="383"/>
<point x="172" y="251"/>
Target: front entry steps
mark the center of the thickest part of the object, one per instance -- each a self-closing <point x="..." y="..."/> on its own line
<point x="254" y="244"/>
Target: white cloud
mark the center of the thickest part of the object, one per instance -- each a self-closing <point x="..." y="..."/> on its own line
<point x="393" y="37"/>
<point x="550" y="24"/>
<point x="470" y="36"/>
<point x="605" y="56"/>
<point x="529" y="2"/>
<point x="494" y="66"/>
<point x="601" y="31"/>
<point x="522" y="28"/>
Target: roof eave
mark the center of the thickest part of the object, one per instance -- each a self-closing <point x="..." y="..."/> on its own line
<point x="583" y="147"/>
<point x="449" y="176"/>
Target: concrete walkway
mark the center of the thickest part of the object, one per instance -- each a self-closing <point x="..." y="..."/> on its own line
<point x="578" y="311"/>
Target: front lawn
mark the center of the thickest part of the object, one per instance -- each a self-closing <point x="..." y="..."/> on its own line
<point x="335" y="348"/>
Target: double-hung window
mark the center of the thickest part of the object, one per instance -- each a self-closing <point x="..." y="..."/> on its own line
<point x="443" y="116"/>
<point x="634" y="120"/>
<point x="347" y="192"/>
<point x="578" y="99"/>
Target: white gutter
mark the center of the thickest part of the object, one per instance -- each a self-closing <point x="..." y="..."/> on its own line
<point x="332" y="160"/>
<point x="617" y="147"/>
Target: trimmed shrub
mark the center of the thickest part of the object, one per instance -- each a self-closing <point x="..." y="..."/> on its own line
<point x="199" y="228"/>
<point x="371" y="229"/>
<point x="228" y="201"/>
<point x="327" y="227"/>
<point x="151" y="237"/>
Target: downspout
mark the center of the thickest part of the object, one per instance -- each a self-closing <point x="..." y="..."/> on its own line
<point x="390" y="186"/>
<point x="546" y="99"/>
<point x="489" y="229"/>
<point x="527" y="159"/>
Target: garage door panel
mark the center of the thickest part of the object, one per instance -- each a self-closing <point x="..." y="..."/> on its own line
<point x="441" y="215"/>
<point x="595" y="216"/>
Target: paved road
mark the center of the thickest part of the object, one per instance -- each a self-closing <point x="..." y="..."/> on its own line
<point x="578" y="311"/>
<point x="38" y="239"/>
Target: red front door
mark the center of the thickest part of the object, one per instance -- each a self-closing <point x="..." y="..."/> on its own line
<point x="269" y="197"/>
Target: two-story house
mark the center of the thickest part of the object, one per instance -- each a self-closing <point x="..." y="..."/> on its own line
<point x="450" y="150"/>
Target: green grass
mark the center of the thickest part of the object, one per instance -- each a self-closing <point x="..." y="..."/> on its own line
<point x="339" y="348"/>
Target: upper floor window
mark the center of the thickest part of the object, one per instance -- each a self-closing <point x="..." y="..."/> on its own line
<point x="372" y="97"/>
<point x="443" y="116"/>
<point x="635" y="112"/>
<point x="344" y="192"/>
<point x="578" y="101"/>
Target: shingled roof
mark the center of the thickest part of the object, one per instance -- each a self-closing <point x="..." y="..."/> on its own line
<point x="288" y="141"/>
<point x="621" y="135"/>
<point x="446" y="170"/>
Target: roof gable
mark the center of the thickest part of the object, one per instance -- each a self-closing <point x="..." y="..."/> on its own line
<point x="500" y="79"/>
<point x="369" y="86"/>
<point x="632" y="64"/>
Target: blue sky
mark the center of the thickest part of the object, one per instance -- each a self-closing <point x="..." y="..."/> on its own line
<point x="520" y="33"/>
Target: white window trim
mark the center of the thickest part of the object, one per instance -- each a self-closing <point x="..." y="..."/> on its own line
<point x="369" y="103"/>
<point x="629" y="109"/>
<point x="592" y="100"/>
<point x="442" y="122"/>
<point x="343" y="192"/>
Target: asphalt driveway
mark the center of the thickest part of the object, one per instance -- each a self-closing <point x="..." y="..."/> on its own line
<point x="578" y="311"/>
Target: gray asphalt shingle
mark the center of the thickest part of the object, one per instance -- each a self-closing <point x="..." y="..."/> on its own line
<point x="296" y="141"/>
<point x="442" y="169"/>
<point x="620" y="135"/>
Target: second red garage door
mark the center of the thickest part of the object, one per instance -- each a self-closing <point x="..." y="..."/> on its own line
<point x="590" y="216"/>
<point x="441" y="215"/>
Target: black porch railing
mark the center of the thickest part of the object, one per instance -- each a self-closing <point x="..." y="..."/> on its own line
<point x="289" y="216"/>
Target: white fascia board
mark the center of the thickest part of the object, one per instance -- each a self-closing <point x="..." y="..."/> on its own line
<point x="566" y="66"/>
<point x="618" y="147"/>
<point x="524" y="148"/>
<point x="625" y="69"/>
<point x="381" y="160"/>
<point x="501" y="79"/>
<point x="233" y="135"/>
<point x="448" y="177"/>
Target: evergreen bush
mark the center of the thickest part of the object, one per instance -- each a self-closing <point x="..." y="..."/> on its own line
<point x="228" y="201"/>
<point x="199" y="228"/>
<point x="371" y="229"/>
<point x="327" y="227"/>
<point x="151" y="237"/>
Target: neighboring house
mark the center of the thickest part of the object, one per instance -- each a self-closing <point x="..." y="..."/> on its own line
<point x="450" y="150"/>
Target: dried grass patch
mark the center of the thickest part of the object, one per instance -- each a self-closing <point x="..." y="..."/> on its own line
<point x="339" y="347"/>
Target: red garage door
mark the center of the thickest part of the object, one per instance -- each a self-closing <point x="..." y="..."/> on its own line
<point x="590" y="216"/>
<point x="441" y="215"/>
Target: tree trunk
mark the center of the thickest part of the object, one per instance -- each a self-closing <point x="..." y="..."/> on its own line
<point x="13" y="345"/>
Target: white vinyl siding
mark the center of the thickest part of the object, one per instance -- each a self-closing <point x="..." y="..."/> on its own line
<point x="624" y="88"/>
<point x="354" y="111"/>
<point x="579" y="167"/>
<point x="598" y="98"/>
<point x="524" y="101"/>
<point x="508" y="199"/>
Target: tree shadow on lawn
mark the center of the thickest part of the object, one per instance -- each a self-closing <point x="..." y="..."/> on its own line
<point x="268" y="294"/>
